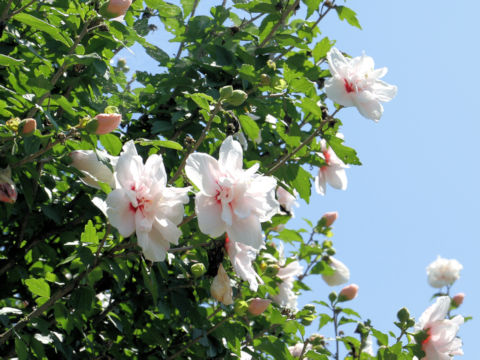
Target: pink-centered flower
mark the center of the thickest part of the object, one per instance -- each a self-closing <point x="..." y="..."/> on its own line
<point x="94" y="170"/>
<point x="8" y="192"/>
<point x="442" y="341"/>
<point x="332" y="173"/>
<point x="241" y="257"/>
<point x="231" y="199"/>
<point x="143" y="204"/>
<point x="355" y="82"/>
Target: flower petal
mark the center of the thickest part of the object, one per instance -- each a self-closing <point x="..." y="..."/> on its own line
<point x="119" y="212"/>
<point x="335" y="90"/>
<point x="247" y="231"/>
<point x="155" y="170"/>
<point x="203" y="171"/>
<point x="368" y="105"/>
<point x="231" y="155"/>
<point x="209" y="213"/>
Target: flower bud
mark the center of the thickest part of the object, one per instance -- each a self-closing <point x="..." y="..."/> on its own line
<point x="240" y="307"/>
<point x="115" y="8"/>
<point x="330" y="218"/>
<point x="8" y="193"/>
<point x="316" y="339"/>
<point x="272" y="270"/>
<point x="221" y="289"/>
<point x="264" y="79"/>
<point x="226" y="92"/>
<point x="237" y="98"/>
<point x="13" y="124"/>
<point x="340" y="275"/>
<point x="272" y="65"/>
<point x="348" y="293"/>
<point x="103" y="123"/>
<point x="121" y="62"/>
<point x="257" y="306"/>
<point x="93" y="169"/>
<point x="27" y="126"/>
<point x="457" y="300"/>
<point x="198" y="270"/>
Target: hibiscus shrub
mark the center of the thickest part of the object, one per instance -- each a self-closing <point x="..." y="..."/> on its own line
<point x="144" y="216"/>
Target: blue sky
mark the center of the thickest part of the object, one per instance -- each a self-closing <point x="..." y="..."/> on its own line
<point x="416" y="195"/>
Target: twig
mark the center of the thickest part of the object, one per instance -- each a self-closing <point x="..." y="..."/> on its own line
<point x="177" y="174"/>
<point x="33" y="156"/>
<point x="182" y="44"/>
<point x="187" y="219"/>
<point x="186" y="248"/>
<point x="61" y="69"/>
<point x="304" y="349"/>
<point x="21" y="9"/>
<point x="279" y="23"/>
<point x="305" y="142"/>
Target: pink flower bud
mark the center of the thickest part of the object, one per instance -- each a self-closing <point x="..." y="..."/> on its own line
<point x="107" y="123"/>
<point x="257" y="306"/>
<point x="349" y="292"/>
<point x="458" y="299"/>
<point x="115" y="8"/>
<point x="330" y="218"/>
<point x="8" y="193"/>
<point x="28" y="126"/>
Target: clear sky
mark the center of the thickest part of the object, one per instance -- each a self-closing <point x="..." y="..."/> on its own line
<point x="416" y="195"/>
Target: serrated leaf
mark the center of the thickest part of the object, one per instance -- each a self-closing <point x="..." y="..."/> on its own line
<point x="322" y="48"/>
<point x="345" y="13"/>
<point x="38" y="287"/>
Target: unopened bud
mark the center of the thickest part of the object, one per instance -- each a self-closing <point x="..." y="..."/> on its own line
<point x="226" y="92"/>
<point x="237" y="98"/>
<point x="221" y="289"/>
<point x="457" y="300"/>
<point x="121" y="62"/>
<point x="316" y="339"/>
<point x="272" y="270"/>
<point x="241" y="307"/>
<point x="330" y="218"/>
<point x="27" y="126"/>
<point x="198" y="270"/>
<point x="309" y="307"/>
<point x="265" y="79"/>
<point x="348" y="293"/>
<point x="103" y="123"/>
<point x="257" y="306"/>
<point x="13" y="124"/>
<point x="272" y="65"/>
<point x="115" y="8"/>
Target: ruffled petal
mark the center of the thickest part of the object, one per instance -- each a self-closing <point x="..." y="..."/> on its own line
<point x="170" y="232"/>
<point x="155" y="170"/>
<point x="335" y="90"/>
<point x="231" y="155"/>
<point x="320" y="183"/>
<point x="368" y="105"/>
<point x="209" y="214"/>
<point x="129" y="169"/>
<point x="203" y="171"/>
<point x="120" y="213"/>
<point x="247" y="231"/>
<point x="336" y="177"/>
<point x="384" y="91"/>
<point x="337" y="61"/>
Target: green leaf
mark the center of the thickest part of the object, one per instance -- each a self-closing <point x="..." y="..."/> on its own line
<point x="162" y="143"/>
<point x="381" y="337"/>
<point x="9" y="61"/>
<point x="38" y="287"/>
<point x="41" y="25"/>
<point x="249" y="127"/>
<point x="202" y="100"/>
<point x="345" y="13"/>
<point x="322" y="48"/>
<point x="111" y="143"/>
<point x="273" y="346"/>
<point x="302" y="183"/>
<point x="312" y="6"/>
<point x="156" y="53"/>
<point x="187" y="7"/>
<point x="164" y="9"/>
<point x="89" y="235"/>
<point x="289" y="236"/>
<point x="21" y="349"/>
<point x="247" y="72"/>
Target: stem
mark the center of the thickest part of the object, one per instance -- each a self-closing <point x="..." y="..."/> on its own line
<point x="197" y="339"/>
<point x="61" y="69"/>
<point x="187" y="219"/>
<point x="4" y="17"/>
<point x="335" y="325"/>
<point x="304" y="349"/>
<point x="21" y="9"/>
<point x="33" y="156"/>
<point x="305" y="142"/>
<point x="197" y="144"/>
<point x="182" y="44"/>
<point x="280" y="23"/>
<point x="186" y="248"/>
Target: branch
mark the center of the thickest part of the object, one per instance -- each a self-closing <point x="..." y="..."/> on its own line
<point x="280" y="23"/>
<point x="177" y="174"/>
<point x="307" y="141"/>
<point x="21" y="9"/>
<point x="182" y="44"/>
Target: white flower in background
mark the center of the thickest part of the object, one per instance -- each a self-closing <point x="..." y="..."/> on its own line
<point x="241" y="257"/>
<point x="221" y="289"/>
<point x="355" y="82"/>
<point x="332" y="173"/>
<point x="297" y="349"/>
<point x="368" y="349"/>
<point x="142" y="203"/>
<point x="231" y="199"/>
<point x="443" y="272"/>
<point x="8" y="192"/>
<point x="94" y="170"/>
<point x="340" y="275"/>
<point x="287" y="201"/>
<point x="286" y="297"/>
<point x="442" y="341"/>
